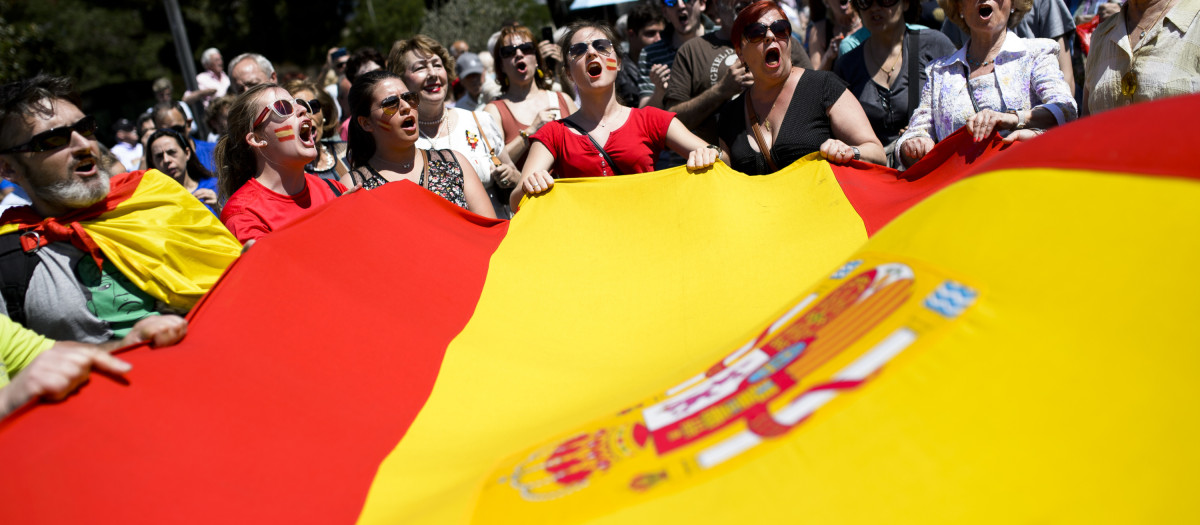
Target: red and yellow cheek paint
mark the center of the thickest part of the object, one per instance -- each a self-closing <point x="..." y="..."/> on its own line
<point x="285" y="134"/>
<point x="384" y="126"/>
<point x="610" y="63"/>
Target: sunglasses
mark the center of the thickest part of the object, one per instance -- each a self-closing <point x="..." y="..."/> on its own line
<point x="673" y="3"/>
<point x="510" y="51"/>
<point x="391" y="104"/>
<point x="56" y="138"/>
<point x="863" y="5"/>
<point x="314" y="106"/>
<point x="282" y="109"/>
<point x="756" y="32"/>
<point x="601" y="45"/>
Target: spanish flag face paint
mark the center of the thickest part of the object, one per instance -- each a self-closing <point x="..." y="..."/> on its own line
<point x="384" y="126"/>
<point x="285" y="133"/>
<point x="610" y="63"/>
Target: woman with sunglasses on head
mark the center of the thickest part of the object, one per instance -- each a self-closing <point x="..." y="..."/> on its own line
<point x="327" y="165"/>
<point x="604" y="137"/>
<point x="171" y="154"/>
<point x="832" y="21"/>
<point x="262" y="157"/>
<point x="789" y="111"/>
<point x="383" y="137"/>
<point x="887" y="70"/>
<point x="425" y="67"/>
<point x="997" y="81"/>
<point x="526" y="102"/>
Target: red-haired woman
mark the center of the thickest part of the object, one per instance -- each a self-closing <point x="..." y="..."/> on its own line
<point x="789" y="112"/>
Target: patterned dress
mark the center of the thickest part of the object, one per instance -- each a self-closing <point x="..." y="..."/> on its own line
<point x="442" y="175"/>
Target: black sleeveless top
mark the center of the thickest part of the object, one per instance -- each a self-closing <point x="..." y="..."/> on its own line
<point x="442" y="175"/>
<point x="805" y="126"/>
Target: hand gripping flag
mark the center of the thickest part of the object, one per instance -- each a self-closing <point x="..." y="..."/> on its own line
<point x="1005" y="340"/>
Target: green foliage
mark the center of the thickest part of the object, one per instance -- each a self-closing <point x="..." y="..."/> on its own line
<point x="92" y="45"/>
<point x="378" y="23"/>
<point x="475" y="20"/>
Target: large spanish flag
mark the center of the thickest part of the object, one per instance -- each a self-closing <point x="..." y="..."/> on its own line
<point x="996" y="336"/>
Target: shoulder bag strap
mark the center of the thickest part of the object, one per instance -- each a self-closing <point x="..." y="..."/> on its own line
<point x="914" y="73"/>
<point x="495" y="160"/>
<point x="611" y="164"/>
<point x="336" y="192"/>
<point x="16" y="270"/>
<point x="762" y="144"/>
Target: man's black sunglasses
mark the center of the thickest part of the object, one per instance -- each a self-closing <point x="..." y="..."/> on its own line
<point x="56" y="138"/>
<point x="510" y="51"/>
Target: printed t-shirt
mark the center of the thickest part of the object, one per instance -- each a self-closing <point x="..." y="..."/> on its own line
<point x="254" y="210"/>
<point x="633" y="146"/>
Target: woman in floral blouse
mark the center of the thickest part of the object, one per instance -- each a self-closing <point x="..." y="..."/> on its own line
<point x="996" y="82"/>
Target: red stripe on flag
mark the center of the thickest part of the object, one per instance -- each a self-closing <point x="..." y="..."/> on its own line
<point x="217" y="428"/>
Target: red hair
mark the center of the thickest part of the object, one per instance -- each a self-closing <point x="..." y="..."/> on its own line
<point x="751" y="14"/>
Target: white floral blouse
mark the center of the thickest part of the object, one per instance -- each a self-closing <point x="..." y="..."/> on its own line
<point x="1026" y="73"/>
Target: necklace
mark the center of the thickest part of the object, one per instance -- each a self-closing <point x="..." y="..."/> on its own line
<point x="438" y="121"/>
<point x="1129" y="81"/>
<point x="889" y="71"/>
<point x="437" y="132"/>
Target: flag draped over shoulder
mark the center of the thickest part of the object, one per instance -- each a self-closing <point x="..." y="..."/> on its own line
<point x="993" y="336"/>
<point x="155" y="232"/>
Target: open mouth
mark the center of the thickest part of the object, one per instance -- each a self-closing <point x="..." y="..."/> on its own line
<point x="435" y="87"/>
<point x="594" y="69"/>
<point x="683" y="19"/>
<point x="85" y="165"/>
<point x="985" y="11"/>
<point x="306" y="132"/>
<point x="409" y="123"/>
<point x="522" y="67"/>
<point x="771" y="57"/>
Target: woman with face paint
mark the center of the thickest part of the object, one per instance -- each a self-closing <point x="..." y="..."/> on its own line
<point x="383" y="138"/>
<point x="171" y="154"/>
<point x="426" y="69"/>
<point x="789" y="111"/>
<point x="604" y="137"/>
<point x="997" y="81"/>
<point x="261" y="163"/>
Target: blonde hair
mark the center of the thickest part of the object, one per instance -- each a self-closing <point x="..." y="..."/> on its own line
<point x="429" y="46"/>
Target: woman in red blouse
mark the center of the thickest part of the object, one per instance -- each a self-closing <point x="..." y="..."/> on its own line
<point x="632" y="138"/>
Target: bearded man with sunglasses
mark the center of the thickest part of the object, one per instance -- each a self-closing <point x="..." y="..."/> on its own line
<point x="94" y="253"/>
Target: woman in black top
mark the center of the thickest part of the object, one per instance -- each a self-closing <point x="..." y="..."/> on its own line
<point x="794" y="111"/>
<point x="879" y="70"/>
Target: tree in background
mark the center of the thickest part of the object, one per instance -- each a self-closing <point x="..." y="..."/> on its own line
<point x="475" y="20"/>
<point x="378" y="23"/>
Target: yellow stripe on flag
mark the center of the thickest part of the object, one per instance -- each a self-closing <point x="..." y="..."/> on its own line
<point x="1052" y="389"/>
<point x="637" y="278"/>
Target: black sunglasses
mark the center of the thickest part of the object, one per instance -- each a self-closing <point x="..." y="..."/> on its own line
<point x="314" y="105"/>
<point x="601" y="45"/>
<point x="509" y="51"/>
<point x="863" y="5"/>
<point x="56" y="138"/>
<point x="673" y="3"/>
<point x="391" y="104"/>
<point x="756" y="32"/>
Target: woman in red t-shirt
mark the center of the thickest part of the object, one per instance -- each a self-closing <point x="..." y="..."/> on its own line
<point x="261" y="159"/>
<point x="631" y="137"/>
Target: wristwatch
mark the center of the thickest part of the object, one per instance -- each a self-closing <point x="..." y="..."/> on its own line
<point x="857" y="154"/>
<point x="1020" y="118"/>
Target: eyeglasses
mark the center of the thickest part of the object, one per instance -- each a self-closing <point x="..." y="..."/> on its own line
<point x="673" y="3"/>
<point x="510" y="51"/>
<point x="757" y="31"/>
<point x="282" y="109"/>
<point x="391" y="104"/>
<point x="56" y="138"/>
<point x="601" y="45"/>
<point x="863" y="5"/>
<point x="315" y="106"/>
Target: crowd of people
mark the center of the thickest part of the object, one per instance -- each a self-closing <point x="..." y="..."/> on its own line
<point x="757" y="84"/>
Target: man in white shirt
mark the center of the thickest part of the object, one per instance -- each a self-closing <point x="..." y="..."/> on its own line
<point x="212" y="82"/>
<point x="127" y="149"/>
